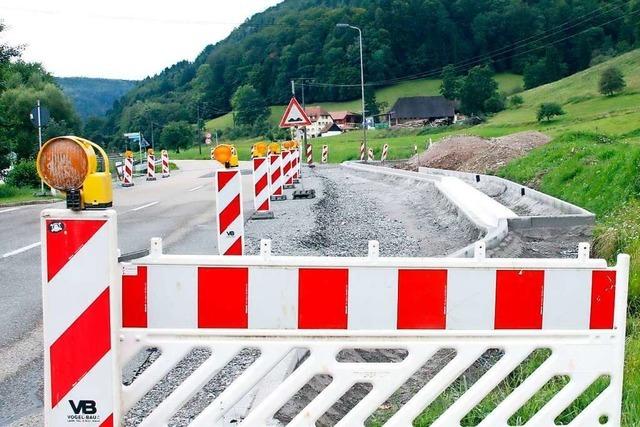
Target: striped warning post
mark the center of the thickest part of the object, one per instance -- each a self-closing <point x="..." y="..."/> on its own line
<point x="296" y="165"/>
<point x="362" y="151"/>
<point x="325" y="153"/>
<point x="370" y="155"/>
<point x="287" y="174"/>
<point x="127" y="172"/>
<point x="261" y="188"/>
<point x="151" y="167"/>
<point x="385" y="152"/>
<point x="166" y="173"/>
<point x="230" y="222"/>
<point x="309" y="154"/>
<point x="369" y="298"/>
<point x="275" y="170"/>
<point x="79" y="264"/>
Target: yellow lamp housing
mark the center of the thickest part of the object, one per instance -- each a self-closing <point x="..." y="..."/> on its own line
<point x="274" y="148"/>
<point x="260" y="149"/>
<point x="70" y="165"/>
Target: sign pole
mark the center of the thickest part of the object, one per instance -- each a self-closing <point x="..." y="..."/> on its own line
<point x="40" y="143"/>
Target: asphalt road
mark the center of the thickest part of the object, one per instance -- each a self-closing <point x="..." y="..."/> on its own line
<point x="180" y="209"/>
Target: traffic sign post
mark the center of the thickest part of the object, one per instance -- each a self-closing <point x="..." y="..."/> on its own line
<point x="40" y="117"/>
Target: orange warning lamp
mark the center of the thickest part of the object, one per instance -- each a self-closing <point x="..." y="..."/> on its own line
<point x="222" y="153"/>
<point x="69" y="164"/>
<point x="287" y="145"/>
<point x="274" y="148"/>
<point x="260" y="149"/>
<point x="150" y="151"/>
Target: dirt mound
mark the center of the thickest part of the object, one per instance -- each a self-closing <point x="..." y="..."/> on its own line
<point x="474" y="154"/>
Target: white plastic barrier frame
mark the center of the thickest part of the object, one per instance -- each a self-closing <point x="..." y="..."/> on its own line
<point x="324" y="305"/>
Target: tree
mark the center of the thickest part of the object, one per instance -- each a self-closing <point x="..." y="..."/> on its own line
<point x="495" y="104"/>
<point x="450" y="87"/>
<point x="177" y="135"/>
<point x="371" y="105"/>
<point x="611" y="81"/>
<point x="516" y="101"/>
<point x="478" y="87"/>
<point x="548" y="110"/>
<point x="249" y="106"/>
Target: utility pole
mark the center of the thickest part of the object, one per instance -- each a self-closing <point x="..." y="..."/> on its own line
<point x="40" y="141"/>
<point x="302" y="81"/>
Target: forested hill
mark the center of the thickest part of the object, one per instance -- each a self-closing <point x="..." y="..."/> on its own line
<point x="93" y="97"/>
<point x="544" y="39"/>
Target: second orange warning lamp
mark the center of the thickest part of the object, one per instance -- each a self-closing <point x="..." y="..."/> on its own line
<point x="228" y="155"/>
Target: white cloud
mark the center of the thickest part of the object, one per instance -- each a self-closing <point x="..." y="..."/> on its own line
<point x="128" y="39"/>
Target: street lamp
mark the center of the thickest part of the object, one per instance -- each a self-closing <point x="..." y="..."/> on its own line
<point x="364" y="122"/>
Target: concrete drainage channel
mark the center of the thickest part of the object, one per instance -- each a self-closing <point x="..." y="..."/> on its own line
<point x="425" y="213"/>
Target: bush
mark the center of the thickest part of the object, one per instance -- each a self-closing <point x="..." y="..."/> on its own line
<point x="8" y="191"/>
<point x="24" y="174"/>
<point x="495" y="103"/>
<point x="516" y="101"/>
<point x="611" y="81"/>
<point x="548" y="110"/>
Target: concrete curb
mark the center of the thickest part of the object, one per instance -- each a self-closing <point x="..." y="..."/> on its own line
<point x="30" y="203"/>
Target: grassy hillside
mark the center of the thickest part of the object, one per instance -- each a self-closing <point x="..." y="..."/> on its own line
<point x="422" y="87"/>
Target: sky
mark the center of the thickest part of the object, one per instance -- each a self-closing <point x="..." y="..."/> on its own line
<point x="123" y="39"/>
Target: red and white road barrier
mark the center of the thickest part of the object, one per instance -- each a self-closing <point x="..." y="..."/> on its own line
<point x="275" y="170"/>
<point x="151" y="167"/>
<point x="127" y="172"/>
<point x="166" y="173"/>
<point x="370" y="156"/>
<point x="261" y="187"/>
<point x="287" y="173"/>
<point x="362" y="153"/>
<point x="309" y="154"/>
<point x="79" y="264"/>
<point x="230" y="222"/>
<point x="385" y="152"/>
<point x="325" y="153"/>
<point x="296" y="166"/>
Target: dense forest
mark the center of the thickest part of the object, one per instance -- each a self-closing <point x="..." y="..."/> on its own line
<point x="91" y="96"/>
<point x="543" y="39"/>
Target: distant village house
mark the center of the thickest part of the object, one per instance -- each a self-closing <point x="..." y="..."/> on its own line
<point x="422" y="108"/>
<point x="346" y="120"/>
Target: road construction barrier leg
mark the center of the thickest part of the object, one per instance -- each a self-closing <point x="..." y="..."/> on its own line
<point x="385" y="152"/>
<point x="370" y="155"/>
<point x="261" y="188"/>
<point x="151" y="167"/>
<point x="230" y="219"/>
<point x="362" y="151"/>
<point x="325" y="153"/>
<point x="80" y="291"/>
<point x="166" y="173"/>
<point x="287" y="173"/>
<point x="310" y="155"/>
<point x="275" y="170"/>
<point x="127" y="172"/>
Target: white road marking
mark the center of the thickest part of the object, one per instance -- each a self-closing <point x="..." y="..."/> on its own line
<point x="196" y="188"/>
<point x="19" y="251"/>
<point x="143" y="206"/>
<point x="9" y="210"/>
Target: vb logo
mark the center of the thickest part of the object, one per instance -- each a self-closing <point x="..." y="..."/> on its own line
<point x="86" y="407"/>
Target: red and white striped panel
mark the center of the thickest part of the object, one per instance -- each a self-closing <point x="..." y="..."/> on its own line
<point x="127" y="172"/>
<point x="79" y="259"/>
<point x="184" y="296"/>
<point x="325" y="153"/>
<point x="230" y="219"/>
<point x="362" y="151"/>
<point x="287" y="174"/>
<point x="370" y="155"/>
<point x="309" y="154"/>
<point x="261" y="189"/>
<point x="385" y="152"/>
<point x="165" y="164"/>
<point x="275" y="170"/>
<point x="151" y="167"/>
<point x="295" y="168"/>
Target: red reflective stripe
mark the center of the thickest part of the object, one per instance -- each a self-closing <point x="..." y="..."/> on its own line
<point x="134" y="300"/>
<point x="224" y="177"/>
<point x="422" y="299"/>
<point x="519" y="295"/>
<point x="257" y="162"/>
<point x="322" y="298"/>
<point x="261" y="184"/>
<point x="603" y="295"/>
<point x="222" y="297"/>
<point x="80" y="347"/>
<point x="108" y="422"/>
<point x="264" y="206"/>
<point x="66" y="240"/>
<point x="229" y="214"/>
<point x="235" y="248"/>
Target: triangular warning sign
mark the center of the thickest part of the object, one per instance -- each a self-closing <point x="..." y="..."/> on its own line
<point x="294" y="115"/>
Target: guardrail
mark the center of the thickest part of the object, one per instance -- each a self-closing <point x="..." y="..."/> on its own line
<point x="98" y="314"/>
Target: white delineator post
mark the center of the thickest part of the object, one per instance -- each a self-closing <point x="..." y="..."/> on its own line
<point x="275" y="170"/>
<point x="385" y="152"/>
<point x="415" y="150"/>
<point x="230" y="219"/>
<point x="362" y="151"/>
<point x="370" y="155"/>
<point x="261" y="188"/>
<point x="81" y="308"/>
<point x="127" y="172"/>
<point x="287" y="174"/>
<point x="166" y="173"/>
<point x="309" y="154"/>
<point x="325" y="153"/>
<point x="151" y="167"/>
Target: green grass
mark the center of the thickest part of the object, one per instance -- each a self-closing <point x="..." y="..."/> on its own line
<point x="421" y="87"/>
<point x="10" y="195"/>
